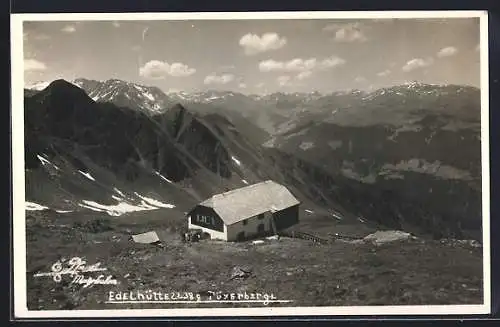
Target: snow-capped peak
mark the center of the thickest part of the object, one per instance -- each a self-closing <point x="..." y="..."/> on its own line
<point x="412" y="84"/>
<point x="122" y="93"/>
<point x="38" y="86"/>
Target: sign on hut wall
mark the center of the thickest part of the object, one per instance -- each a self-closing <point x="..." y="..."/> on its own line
<point x="206" y="217"/>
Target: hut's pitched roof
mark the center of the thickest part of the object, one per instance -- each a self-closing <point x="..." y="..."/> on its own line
<point x="242" y="203"/>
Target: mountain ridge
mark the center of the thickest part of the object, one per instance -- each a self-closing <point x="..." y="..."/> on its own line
<point x="40" y="85"/>
<point x="279" y="112"/>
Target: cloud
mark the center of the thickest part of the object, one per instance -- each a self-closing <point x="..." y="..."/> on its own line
<point x="41" y="37"/>
<point x="447" y="52"/>
<point x="254" y="44"/>
<point x="227" y="67"/>
<point x="283" y="80"/>
<point x="304" y="75"/>
<point x="156" y="69"/>
<point x="294" y="65"/>
<point x="260" y="85"/>
<point x="69" y="29"/>
<point x="349" y="32"/>
<point x="219" y="79"/>
<point x="36" y="37"/>
<point x="384" y="73"/>
<point x="175" y="90"/>
<point x="349" y="35"/>
<point x="242" y="86"/>
<point x="331" y="62"/>
<point x="271" y="65"/>
<point x="34" y="65"/>
<point x="116" y="24"/>
<point x="417" y="63"/>
<point x="334" y="27"/>
<point x="298" y="65"/>
<point x="383" y="20"/>
<point x="360" y="79"/>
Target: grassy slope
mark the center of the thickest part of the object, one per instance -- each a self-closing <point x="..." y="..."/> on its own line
<point x="413" y="272"/>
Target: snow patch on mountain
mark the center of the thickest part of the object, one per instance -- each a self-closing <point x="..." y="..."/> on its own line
<point x="306" y="145"/>
<point x="38" y="86"/>
<point x="236" y="161"/>
<point x="154" y="202"/>
<point x="46" y="162"/>
<point x="117" y="209"/>
<point x="87" y="175"/>
<point x="119" y="192"/>
<point x="163" y="177"/>
<point x="299" y="133"/>
<point x="32" y="206"/>
<point x="336" y="216"/>
<point x="122" y="93"/>
<point x="422" y="166"/>
<point x="271" y="143"/>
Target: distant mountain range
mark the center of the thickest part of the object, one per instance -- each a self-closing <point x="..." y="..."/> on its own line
<point x="277" y="113"/>
<point x="405" y="157"/>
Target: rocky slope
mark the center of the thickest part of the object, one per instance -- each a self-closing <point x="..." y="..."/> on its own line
<point x="79" y="151"/>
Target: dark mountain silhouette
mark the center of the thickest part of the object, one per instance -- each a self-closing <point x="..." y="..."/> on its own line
<point x="118" y="137"/>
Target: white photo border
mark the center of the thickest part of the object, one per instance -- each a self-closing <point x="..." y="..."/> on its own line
<point x="18" y="178"/>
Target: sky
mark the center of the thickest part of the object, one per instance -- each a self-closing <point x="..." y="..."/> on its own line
<point x="256" y="56"/>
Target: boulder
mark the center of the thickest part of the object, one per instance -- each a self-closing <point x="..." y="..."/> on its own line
<point x="382" y="237"/>
<point x="240" y="272"/>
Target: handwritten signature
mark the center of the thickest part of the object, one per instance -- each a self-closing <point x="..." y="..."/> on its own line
<point x="77" y="268"/>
